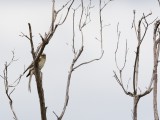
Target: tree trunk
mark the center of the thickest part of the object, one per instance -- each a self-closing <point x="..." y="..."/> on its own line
<point x="41" y="95"/>
<point x="156" y="117"/>
<point x="135" y="102"/>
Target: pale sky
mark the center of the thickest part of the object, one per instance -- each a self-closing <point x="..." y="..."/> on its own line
<point x="94" y="93"/>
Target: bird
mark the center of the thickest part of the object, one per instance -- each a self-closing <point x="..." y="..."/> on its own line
<point x="41" y="62"/>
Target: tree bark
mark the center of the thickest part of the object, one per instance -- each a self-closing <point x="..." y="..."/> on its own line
<point x="135" y="102"/>
<point x="38" y="77"/>
<point x="156" y="117"/>
<point x="156" y="48"/>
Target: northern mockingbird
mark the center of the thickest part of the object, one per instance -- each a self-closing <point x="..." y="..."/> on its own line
<point x="41" y="62"/>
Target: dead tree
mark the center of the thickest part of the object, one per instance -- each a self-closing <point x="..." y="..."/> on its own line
<point x="36" y="53"/>
<point x="77" y="52"/>
<point x="156" y="48"/>
<point x="9" y="89"/>
<point x="140" y="38"/>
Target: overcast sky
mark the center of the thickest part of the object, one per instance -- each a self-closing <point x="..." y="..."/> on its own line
<point x="94" y="93"/>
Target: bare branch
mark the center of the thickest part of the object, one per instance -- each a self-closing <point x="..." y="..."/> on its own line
<point x="17" y="81"/>
<point x="5" y="78"/>
<point x="159" y="2"/>
<point x="119" y="80"/>
<point x="128" y="84"/>
<point x="101" y="22"/>
<point x="86" y="14"/>
<point x="64" y="6"/>
<point x="126" y="51"/>
<point x="73" y="39"/>
<point x="135" y="71"/>
<point x="41" y="37"/>
<point x="140" y="39"/>
<point x="105" y="4"/>
<point x="55" y="115"/>
<point x="84" y="20"/>
<point x="147" y="24"/>
<point x="118" y="35"/>
<point x="39" y="51"/>
<point x="31" y="40"/>
<point x="136" y="96"/>
<point x="84" y="63"/>
<point x="134" y="23"/>
<point x="121" y="84"/>
<point x="1" y="76"/>
<point x="23" y="35"/>
<point x="67" y="11"/>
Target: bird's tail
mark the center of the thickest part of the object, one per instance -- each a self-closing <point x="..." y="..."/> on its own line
<point x="28" y="74"/>
<point x="29" y="83"/>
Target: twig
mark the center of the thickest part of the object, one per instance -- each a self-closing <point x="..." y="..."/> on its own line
<point x="67" y="11"/>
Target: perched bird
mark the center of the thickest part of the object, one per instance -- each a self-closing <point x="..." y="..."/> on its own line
<point x="41" y="62"/>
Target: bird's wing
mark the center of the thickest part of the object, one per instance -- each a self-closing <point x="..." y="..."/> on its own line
<point x="29" y="83"/>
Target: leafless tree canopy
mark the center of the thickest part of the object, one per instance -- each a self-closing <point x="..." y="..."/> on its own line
<point x="140" y="38"/>
<point x="58" y="18"/>
<point x="37" y="51"/>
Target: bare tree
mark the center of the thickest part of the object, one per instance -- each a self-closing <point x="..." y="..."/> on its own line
<point x="36" y="53"/>
<point x="140" y="37"/>
<point x="9" y="89"/>
<point x="156" y="48"/>
<point x="83" y="22"/>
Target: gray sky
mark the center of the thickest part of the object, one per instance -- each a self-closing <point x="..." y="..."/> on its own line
<point x="95" y="94"/>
